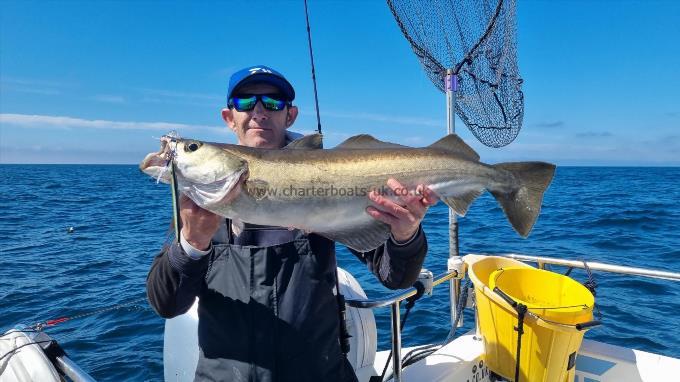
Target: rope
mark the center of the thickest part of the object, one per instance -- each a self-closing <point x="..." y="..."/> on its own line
<point x="311" y="58"/>
<point x="21" y="346"/>
<point x="591" y="284"/>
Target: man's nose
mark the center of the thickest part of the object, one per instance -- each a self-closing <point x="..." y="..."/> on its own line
<point x="259" y="111"/>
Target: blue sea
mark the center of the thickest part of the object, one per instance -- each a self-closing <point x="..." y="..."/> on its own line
<point x="627" y="216"/>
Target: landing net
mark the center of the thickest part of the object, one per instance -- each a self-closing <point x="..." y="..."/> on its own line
<point x="477" y="39"/>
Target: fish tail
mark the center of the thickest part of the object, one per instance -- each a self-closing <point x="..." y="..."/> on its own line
<point x="523" y="204"/>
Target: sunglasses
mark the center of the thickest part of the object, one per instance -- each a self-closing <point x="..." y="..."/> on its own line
<point x="247" y="102"/>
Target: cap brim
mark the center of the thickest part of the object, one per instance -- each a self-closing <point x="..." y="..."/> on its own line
<point x="265" y="78"/>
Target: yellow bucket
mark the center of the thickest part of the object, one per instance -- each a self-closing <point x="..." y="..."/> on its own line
<point x="556" y="304"/>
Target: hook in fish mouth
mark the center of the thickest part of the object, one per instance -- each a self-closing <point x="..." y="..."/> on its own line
<point x="157" y="164"/>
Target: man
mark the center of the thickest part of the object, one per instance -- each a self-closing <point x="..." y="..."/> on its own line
<point x="267" y="309"/>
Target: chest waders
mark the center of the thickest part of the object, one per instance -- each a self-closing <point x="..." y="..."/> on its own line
<point x="268" y="313"/>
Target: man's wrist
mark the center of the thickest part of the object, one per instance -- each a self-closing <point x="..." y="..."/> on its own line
<point x="201" y="244"/>
<point x="401" y="241"/>
<point x="193" y="249"/>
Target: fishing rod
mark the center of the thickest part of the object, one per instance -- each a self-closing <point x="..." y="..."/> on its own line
<point x="311" y="58"/>
<point x="39" y="326"/>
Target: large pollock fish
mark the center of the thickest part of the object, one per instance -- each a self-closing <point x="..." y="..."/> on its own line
<point x="325" y="190"/>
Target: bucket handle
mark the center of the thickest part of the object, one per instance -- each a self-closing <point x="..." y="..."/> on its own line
<point x="580" y="326"/>
<point x="587" y="324"/>
<point x="505" y="297"/>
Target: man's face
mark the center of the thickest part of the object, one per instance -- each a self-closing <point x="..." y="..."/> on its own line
<point x="260" y="127"/>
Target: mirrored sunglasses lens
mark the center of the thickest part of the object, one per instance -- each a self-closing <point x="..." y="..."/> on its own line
<point x="244" y="104"/>
<point x="272" y="103"/>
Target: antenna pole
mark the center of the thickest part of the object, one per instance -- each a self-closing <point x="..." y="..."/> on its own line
<point x="454" y="255"/>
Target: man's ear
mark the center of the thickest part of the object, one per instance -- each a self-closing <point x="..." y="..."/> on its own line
<point x="228" y="117"/>
<point x="291" y="115"/>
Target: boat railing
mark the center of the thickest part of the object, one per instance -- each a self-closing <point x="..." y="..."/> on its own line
<point x="595" y="266"/>
<point x="394" y="300"/>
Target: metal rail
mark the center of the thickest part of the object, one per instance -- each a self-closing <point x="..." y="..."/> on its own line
<point x="451" y="87"/>
<point x="393" y="300"/>
<point x="396" y="341"/>
<point x="595" y="266"/>
<point x="71" y="370"/>
<point x="397" y="297"/>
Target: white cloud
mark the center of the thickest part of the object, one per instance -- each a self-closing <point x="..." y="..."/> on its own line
<point x="33" y="82"/>
<point x="160" y="94"/>
<point x="48" y="121"/>
<point x="109" y="98"/>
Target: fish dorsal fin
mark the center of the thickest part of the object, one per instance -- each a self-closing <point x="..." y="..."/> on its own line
<point x="455" y="144"/>
<point x="308" y="142"/>
<point x="365" y="141"/>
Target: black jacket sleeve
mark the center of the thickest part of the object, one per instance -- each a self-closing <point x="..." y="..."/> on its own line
<point x="396" y="266"/>
<point x="174" y="281"/>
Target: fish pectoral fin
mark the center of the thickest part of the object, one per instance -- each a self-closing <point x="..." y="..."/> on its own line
<point x="456" y="144"/>
<point x="308" y="142"/>
<point x="365" y="141"/>
<point x="362" y="237"/>
<point x="461" y="203"/>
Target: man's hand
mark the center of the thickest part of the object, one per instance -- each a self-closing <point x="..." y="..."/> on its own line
<point x="404" y="215"/>
<point x="198" y="225"/>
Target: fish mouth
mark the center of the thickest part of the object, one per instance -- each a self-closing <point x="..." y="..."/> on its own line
<point x="215" y="192"/>
<point x="219" y="192"/>
<point x="156" y="164"/>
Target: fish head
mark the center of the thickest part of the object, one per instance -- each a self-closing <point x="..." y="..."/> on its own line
<point x="209" y="174"/>
<point x="205" y="163"/>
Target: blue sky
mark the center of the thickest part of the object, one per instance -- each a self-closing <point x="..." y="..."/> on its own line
<point x="99" y="82"/>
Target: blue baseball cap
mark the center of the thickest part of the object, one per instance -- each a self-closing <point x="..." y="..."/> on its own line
<point x="261" y="74"/>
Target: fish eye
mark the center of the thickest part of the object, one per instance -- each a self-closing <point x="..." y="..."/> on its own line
<point x="192" y="146"/>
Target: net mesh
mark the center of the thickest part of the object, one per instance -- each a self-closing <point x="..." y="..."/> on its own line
<point x="477" y="39"/>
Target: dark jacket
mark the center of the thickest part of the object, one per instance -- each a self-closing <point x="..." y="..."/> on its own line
<point x="266" y="305"/>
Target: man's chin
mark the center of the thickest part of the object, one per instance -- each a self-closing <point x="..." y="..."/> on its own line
<point x="263" y="141"/>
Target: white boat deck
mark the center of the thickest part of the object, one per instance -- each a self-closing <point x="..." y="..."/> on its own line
<point x="462" y="360"/>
